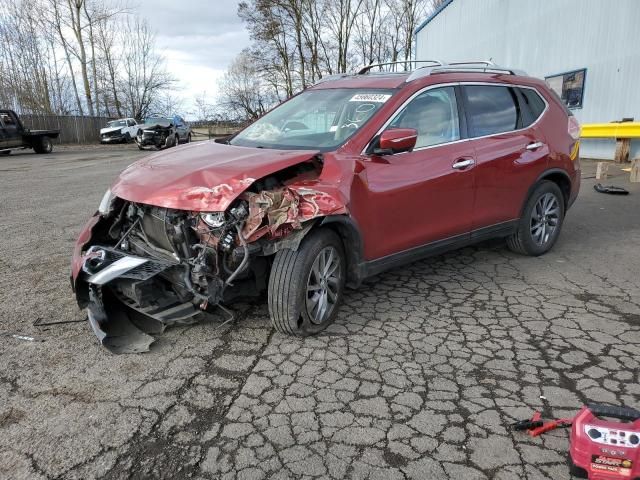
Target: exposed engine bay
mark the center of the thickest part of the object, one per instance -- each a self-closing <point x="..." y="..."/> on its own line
<point x="147" y="267"/>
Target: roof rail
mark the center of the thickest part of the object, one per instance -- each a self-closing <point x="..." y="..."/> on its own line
<point x="488" y="63"/>
<point x="366" y="69"/>
<point x="335" y="76"/>
<point x="483" y="66"/>
<point x="432" y="67"/>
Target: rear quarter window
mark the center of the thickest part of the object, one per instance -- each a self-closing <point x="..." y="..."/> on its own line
<point x="533" y="102"/>
<point x="491" y="109"/>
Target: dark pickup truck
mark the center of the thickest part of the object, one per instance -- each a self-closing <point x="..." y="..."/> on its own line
<point x="13" y="135"/>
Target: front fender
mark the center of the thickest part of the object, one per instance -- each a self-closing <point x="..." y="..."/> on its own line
<point x="351" y="236"/>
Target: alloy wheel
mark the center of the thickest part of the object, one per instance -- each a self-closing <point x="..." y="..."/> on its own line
<point x="545" y="217"/>
<point x="323" y="285"/>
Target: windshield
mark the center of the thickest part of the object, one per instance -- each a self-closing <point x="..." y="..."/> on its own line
<point x="155" y="120"/>
<point x="315" y="119"/>
<point x="117" y="123"/>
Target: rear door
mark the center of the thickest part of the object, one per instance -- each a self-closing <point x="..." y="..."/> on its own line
<point x="510" y="150"/>
<point x="420" y="197"/>
<point x="185" y="129"/>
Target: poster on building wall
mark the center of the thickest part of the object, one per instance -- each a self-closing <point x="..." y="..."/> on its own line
<point x="569" y="87"/>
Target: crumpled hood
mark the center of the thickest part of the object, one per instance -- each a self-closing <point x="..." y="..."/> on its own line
<point x="109" y="129"/>
<point x="155" y="126"/>
<point x="203" y="176"/>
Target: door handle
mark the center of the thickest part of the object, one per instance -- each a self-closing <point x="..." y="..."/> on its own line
<point x="463" y="163"/>
<point x="534" y="145"/>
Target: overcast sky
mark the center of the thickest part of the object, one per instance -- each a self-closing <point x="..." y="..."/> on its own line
<point x="199" y="38"/>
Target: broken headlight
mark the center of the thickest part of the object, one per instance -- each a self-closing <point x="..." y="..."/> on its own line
<point x="106" y="204"/>
<point x="213" y="219"/>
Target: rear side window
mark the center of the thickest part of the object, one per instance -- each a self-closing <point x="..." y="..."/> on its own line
<point x="491" y="109"/>
<point x="533" y="101"/>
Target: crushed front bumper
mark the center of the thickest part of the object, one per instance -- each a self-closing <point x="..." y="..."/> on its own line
<point x="115" y="139"/>
<point x="156" y="139"/>
<point x="122" y="310"/>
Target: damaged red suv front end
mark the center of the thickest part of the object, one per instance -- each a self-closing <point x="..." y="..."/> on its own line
<point x="175" y="233"/>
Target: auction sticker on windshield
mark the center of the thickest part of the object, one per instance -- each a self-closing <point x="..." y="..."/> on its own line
<point x="370" y="97"/>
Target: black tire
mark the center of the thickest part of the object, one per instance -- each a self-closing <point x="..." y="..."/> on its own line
<point x="170" y="141"/>
<point x="189" y="138"/>
<point x="5" y="152"/>
<point x="127" y="137"/>
<point x="291" y="274"/>
<point x="43" y="145"/>
<point x="529" y="239"/>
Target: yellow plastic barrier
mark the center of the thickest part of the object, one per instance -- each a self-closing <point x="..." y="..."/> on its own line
<point x="611" y="130"/>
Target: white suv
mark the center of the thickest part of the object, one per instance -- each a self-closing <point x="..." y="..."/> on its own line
<point x="119" y="131"/>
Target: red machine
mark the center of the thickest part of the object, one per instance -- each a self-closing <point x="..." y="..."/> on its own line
<point x="605" y="443"/>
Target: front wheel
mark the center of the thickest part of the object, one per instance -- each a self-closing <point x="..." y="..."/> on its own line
<point x="541" y="221"/>
<point x="171" y="141"/>
<point x="306" y="286"/>
<point x="44" y="145"/>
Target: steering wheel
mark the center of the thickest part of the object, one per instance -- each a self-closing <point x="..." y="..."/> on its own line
<point x="264" y="131"/>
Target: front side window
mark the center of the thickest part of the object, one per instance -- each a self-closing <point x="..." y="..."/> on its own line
<point x="434" y="114"/>
<point x="316" y="119"/>
<point x="117" y="123"/>
<point x="569" y="87"/>
<point x="7" y="120"/>
<point x="491" y="109"/>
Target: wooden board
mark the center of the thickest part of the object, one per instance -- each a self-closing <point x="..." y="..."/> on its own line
<point x="602" y="170"/>
<point x="622" y="150"/>
<point x="635" y="171"/>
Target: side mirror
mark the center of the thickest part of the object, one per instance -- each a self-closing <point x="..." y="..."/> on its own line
<point x="397" y="140"/>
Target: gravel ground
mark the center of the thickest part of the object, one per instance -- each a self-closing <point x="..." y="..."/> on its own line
<point x="419" y="378"/>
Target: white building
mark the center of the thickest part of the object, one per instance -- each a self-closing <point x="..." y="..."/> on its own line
<point x="588" y="50"/>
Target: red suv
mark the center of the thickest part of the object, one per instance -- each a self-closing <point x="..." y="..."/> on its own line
<point x="353" y="176"/>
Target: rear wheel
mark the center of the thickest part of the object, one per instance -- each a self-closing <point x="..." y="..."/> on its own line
<point x="306" y="286"/>
<point x="127" y="137"/>
<point x="541" y="221"/>
<point x="43" y="145"/>
<point x="189" y="138"/>
<point x="5" y="152"/>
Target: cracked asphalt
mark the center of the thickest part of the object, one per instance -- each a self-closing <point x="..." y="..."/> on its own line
<point x="419" y="378"/>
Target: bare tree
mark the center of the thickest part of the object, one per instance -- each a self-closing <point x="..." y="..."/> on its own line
<point x="52" y="50"/>
<point x="24" y="61"/>
<point x="243" y="90"/>
<point x="205" y="110"/>
<point x="145" y="74"/>
<point x="297" y="42"/>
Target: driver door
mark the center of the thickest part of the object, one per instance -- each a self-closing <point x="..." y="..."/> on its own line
<point x="423" y="197"/>
<point x="9" y="135"/>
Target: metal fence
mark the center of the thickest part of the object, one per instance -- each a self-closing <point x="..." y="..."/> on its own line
<point x="73" y="128"/>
